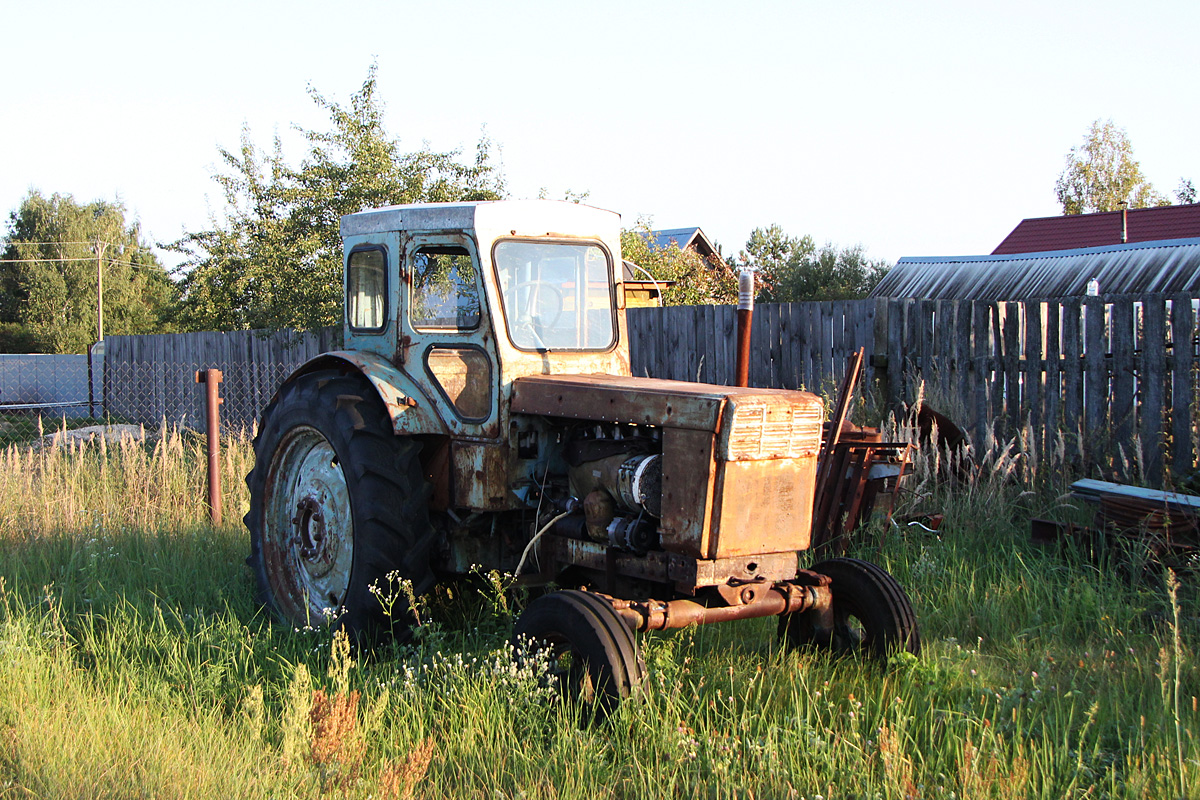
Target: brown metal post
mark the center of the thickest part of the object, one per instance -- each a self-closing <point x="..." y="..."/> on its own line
<point x="211" y="378"/>
<point x="745" y="315"/>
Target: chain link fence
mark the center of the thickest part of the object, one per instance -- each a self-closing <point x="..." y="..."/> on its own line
<point x="40" y="395"/>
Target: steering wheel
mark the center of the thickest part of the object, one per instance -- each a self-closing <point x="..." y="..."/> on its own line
<point x="543" y="303"/>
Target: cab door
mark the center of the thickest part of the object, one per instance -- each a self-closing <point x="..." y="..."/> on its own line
<point x="447" y="341"/>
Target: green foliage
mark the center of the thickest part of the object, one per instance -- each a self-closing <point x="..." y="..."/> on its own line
<point x="48" y="276"/>
<point x="135" y="664"/>
<point x="697" y="280"/>
<point x="1186" y="192"/>
<point x="1102" y="174"/>
<point x="275" y="260"/>
<point x="790" y="269"/>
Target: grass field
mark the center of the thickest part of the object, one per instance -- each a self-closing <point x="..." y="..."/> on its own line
<point x="134" y="663"/>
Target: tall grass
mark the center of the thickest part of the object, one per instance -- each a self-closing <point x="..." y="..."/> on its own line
<point x="133" y="662"/>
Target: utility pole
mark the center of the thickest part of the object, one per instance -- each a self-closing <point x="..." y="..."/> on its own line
<point x="99" y="292"/>
<point x="100" y="289"/>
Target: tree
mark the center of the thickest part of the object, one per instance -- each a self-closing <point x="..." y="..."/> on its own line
<point x="1186" y="193"/>
<point x="697" y="280"/>
<point x="276" y="258"/>
<point x="1102" y="174"/>
<point x="48" y="276"/>
<point x="790" y="269"/>
<point x="772" y="254"/>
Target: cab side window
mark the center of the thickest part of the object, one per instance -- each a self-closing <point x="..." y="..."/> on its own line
<point x="445" y="290"/>
<point x="366" y="289"/>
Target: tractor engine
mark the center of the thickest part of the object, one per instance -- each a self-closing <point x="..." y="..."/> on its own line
<point x="616" y="472"/>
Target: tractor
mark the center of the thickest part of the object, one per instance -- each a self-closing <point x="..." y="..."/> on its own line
<point x="483" y="415"/>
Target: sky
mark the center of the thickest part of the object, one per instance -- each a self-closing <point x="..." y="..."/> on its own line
<point x="913" y="129"/>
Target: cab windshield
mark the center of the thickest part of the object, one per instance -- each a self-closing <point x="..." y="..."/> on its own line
<point x="556" y="295"/>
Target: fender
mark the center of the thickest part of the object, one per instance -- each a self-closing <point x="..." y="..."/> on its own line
<point x="411" y="410"/>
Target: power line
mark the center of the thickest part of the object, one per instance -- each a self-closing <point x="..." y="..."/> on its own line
<point x="13" y="242"/>
<point x="89" y="259"/>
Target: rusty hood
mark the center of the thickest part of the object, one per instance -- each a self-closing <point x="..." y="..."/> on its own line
<point x="750" y="423"/>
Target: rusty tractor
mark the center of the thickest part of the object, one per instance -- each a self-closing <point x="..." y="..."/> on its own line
<point x="483" y="414"/>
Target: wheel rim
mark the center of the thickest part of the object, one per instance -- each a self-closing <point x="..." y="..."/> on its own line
<point x="567" y="669"/>
<point x="308" y="541"/>
<point x="849" y="633"/>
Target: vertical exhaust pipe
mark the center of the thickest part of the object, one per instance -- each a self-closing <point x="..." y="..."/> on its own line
<point x="745" y="314"/>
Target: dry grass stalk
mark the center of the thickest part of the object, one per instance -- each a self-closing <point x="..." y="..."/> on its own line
<point x="9" y="754"/>
<point x="399" y="779"/>
<point x="337" y="746"/>
<point x="897" y="767"/>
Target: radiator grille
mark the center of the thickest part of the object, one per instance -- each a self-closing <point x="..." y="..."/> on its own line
<point x="773" y="430"/>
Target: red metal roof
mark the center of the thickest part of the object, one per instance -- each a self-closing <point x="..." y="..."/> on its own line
<point x="1044" y="234"/>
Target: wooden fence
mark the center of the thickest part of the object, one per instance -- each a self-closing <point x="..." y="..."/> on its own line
<point x="1107" y="382"/>
<point x="793" y="345"/>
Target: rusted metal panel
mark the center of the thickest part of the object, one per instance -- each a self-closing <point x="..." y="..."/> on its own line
<point x="654" y="566"/>
<point x="480" y="476"/>
<point x="411" y="410"/>
<point x="763" y="506"/>
<point x="651" y="401"/>
<point x="715" y="571"/>
<point x="611" y="398"/>
<point x="687" y="574"/>
<point x="688" y="487"/>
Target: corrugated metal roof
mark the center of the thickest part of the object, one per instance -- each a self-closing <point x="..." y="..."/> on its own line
<point x="1146" y="267"/>
<point x="1040" y="234"/>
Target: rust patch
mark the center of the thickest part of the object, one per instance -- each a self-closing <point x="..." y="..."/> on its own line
<point x="688" y="486"/>
<point x="688" y="575"/>
<point x="479" y="475"/>
<point x="403" y="344"/>
<point x="763" y="506"/>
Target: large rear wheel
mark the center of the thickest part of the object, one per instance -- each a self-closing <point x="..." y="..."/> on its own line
<point x="871" y="614"/>
<point x="337" y="506"/>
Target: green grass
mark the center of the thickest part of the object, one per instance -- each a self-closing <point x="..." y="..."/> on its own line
<point x="133" y="662"/>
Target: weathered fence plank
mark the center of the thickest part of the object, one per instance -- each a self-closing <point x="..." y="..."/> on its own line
<point x="1095" y="389"/>
<point x="1072" y="378"/>
<point x="1122" y="421"/>
<point x="1032" y="377"/>
<point x="981" y="313"/>
<point x="1151" y="389"/>
<point x="1183" y="338"/>
<point x="1053" y="385"/>
<point x="1012" y="369"/>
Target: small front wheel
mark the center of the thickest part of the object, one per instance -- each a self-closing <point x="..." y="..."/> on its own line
<point x="871" y="614"/>
<point x="592" y="652"/>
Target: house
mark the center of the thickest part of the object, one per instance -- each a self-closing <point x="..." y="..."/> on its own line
<point x="684" y="238"/>
<point x="1079" y="231"/>
<point x="640" y="287"/>
<point x="1144" y="250"/>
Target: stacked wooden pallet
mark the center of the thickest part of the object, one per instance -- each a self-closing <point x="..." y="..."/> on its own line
<point x="1166" y="524"/>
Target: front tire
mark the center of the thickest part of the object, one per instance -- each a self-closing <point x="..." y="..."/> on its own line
<point x="337" y="506"/>
<point x="593" y="655"/>
<point x="872" y="615"/>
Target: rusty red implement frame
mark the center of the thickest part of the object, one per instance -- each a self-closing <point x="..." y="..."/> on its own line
<point x="846" y="492"/>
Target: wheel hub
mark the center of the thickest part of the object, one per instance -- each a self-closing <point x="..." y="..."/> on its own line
<point x="309" y="541"/>
<point x="316" y="549"/>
